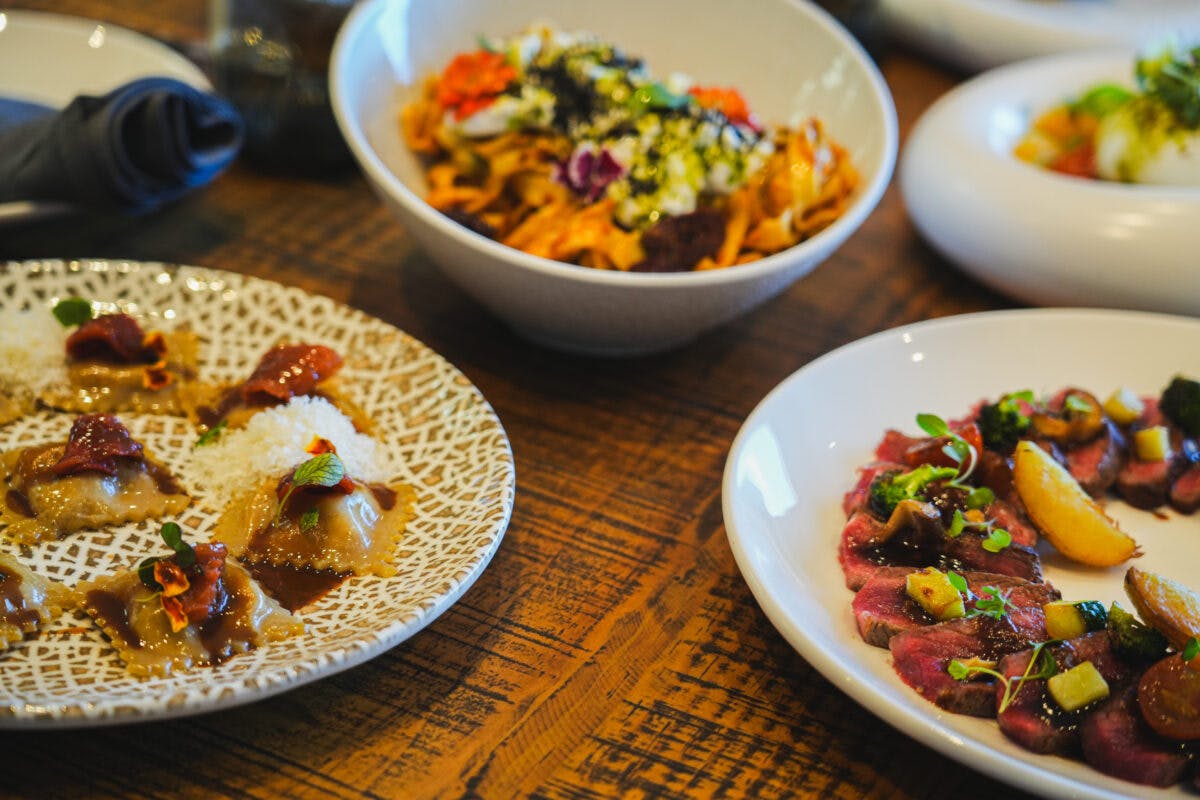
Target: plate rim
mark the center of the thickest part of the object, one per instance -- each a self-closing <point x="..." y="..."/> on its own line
<point x="839" y="667"/>
<point x="376" y="642"/>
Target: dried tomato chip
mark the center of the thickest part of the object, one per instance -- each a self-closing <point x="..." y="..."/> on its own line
<point x="175" y="613"/>
<point x="116" y="338"/>
<point x="156" y="377"/>
<point x="319" y="445"/>
<point x="205" y="593"/>
<point x="290" y="370"/>
<point x="95" y="444"/>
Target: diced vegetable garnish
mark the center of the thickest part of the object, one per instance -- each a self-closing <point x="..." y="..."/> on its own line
<point x="1077" y="687"/>
<point x="1132" y="638"/>
<point x="1064" y="512"/>
<point x="933" y="591"/>
<point x="1152" y="444"/>
<point x="1067" y="620"/>
<point x="1124" y="406"/>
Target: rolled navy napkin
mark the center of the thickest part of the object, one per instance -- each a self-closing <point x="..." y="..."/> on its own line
<point x="133" y="149"/>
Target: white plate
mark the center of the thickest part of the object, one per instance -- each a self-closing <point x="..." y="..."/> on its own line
<point x="796" y="455"/>
<point x="51" y="58"/>
<point x="438" y="432"/>
<point x="977" y="34"/>
<point x="1034" y="234"/>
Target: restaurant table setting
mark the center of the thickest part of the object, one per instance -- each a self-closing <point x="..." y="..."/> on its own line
<point x="622" y="488"/>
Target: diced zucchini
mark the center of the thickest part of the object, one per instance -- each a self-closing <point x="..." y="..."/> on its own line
<point x="1132" y="638"/>
<point x="1124" y="406"/>
<point x="1152" y="444"/>
<point x="1067" y="620"/>
<point x="1079" y="686"/>
<point x="932" y="590"/>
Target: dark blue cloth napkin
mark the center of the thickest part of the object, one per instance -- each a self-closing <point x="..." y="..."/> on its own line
<point x="137" y="147"/>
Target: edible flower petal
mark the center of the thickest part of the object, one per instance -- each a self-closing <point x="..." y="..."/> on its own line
<point x="729" y="102"/>
<point x="473" y="80"/>
<point x="589" y="170"/>
<point x="175" y="613"/>
<point x="171" y="577"/>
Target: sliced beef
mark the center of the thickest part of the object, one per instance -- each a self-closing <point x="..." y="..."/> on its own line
<point x="1033" y="719"/>
<point x="1145" y="484"/>
<point x="1185" y="490"/>
<point x="854" y="549"/>
<point x="856" y="499"/>
<point x="1118" y="742"/>
<point x="1095" y="464"/>
<point x="1012" y="518"/>
<point x="921" y="657"/>
<point x="966" y="552"/>
<point x="895" y="445"/>
<point x="883" y="608"/>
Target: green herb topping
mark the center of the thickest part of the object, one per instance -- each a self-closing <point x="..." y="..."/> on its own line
<point x="73" y="311"/>
<point x="890" y="488"/>
<point x="1191" y="649"/>
<point x="957" y="448"/>
<point x="212" y="434"/>
<point x="325" y="470"/>
<point x="1172" y="77"/>
<point x="961" y="671"/>
<point x="185" y="556"/>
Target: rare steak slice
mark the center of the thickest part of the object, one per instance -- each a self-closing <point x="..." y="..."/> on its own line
<point x="883" y="608"/>
<point x="922" y="657"/>
<point x="1185" y="490"/>
<point x="1095" y="464"/>
<point x="1033" y="719"/>
<point x="1118" y="742"/>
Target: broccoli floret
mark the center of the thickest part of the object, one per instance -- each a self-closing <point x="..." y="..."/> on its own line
<point x="889" y="488"/>
<point x="1180" y="402"/>
<point x="1001" y="424"/>
<point x="1132" y="638"/>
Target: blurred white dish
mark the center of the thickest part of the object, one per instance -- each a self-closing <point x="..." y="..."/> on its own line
<point x="388" y="46"/>
<point x="1036" y="235"/>
<point x="977" y="34"/>
<point x="51" y="58"/>
<point x="796" y="455"/>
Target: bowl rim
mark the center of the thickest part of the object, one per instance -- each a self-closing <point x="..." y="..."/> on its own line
<point x="364" y="14"/>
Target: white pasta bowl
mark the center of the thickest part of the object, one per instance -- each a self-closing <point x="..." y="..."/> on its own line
<point x="789" y="58"/>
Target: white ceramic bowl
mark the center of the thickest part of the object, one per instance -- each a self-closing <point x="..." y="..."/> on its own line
<point x="787" y="57"/>
<point x="978" y="34"/>
<point x="1036" y="235"/>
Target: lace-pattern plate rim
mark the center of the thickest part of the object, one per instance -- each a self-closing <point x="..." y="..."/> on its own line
<point x="438" y="432"/>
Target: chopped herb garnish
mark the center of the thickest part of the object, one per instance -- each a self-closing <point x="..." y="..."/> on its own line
<point x="957" y="525"/>
<point x="957" y="581"/>
<point x="73" y="311"/>
<point x="212" y="434"/>
<point x="957" y="449"/>
<point x="994" y="604"/>
<point x="1078" y="405"/>
<point x="1191" y="649"/>
<point x="325" y="470"/>
<point x="997" y="540"/>
<point x="308" y="520"/>
<point x="961" y="671"/>
<point x="980" y="498"/>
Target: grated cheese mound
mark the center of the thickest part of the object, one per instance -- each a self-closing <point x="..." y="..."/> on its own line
<point x="274" y="441"/>
<point x="32" y="350"/>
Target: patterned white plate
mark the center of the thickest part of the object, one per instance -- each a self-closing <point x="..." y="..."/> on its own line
<point x="439" y="433"/>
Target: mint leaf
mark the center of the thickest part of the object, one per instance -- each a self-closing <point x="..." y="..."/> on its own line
<point x="323" y="470"/>
<point x="308" y="520"/>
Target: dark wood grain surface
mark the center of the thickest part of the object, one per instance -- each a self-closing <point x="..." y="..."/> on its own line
<point x="612" y="647"/>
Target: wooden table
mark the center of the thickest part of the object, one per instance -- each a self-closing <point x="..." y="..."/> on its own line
<point x="611" y="647"/>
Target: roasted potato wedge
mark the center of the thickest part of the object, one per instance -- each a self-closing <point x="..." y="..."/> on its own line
<point x="1064" y="512"/>
<point x="1166" y="605"/>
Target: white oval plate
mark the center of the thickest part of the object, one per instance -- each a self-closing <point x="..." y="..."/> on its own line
<point x="796" y="455"/>
<point x="51" y="58"/>
<point x="1037" y="235"/>
<point x="438" y="432"/>
<point x="978" y="34"/>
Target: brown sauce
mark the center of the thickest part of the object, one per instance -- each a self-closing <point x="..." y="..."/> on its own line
<point x="11" y="598"/>
<point x="18" y="504"/>
<point x="383" y="495"/>
<point x="112" y="609"/>
<point x="295" y="587"/>
<point x="222" y="627"/>
<point x="163" y="479"/>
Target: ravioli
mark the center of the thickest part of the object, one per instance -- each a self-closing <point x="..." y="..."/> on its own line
<point x="27" y="600"/>
<point x="354" y="532"/>
<point x="114" y="366"/>
<point x="99" y="477"/>
<point x="285" y="371"/>
<point x="237" y="617"/>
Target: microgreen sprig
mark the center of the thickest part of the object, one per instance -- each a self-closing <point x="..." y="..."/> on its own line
<point x="72" y="311"/>
<point x="326" y="470"/>
<point x="996" y="540"/>
<point x="994" y="604"/>
<point x="957" y="448"/>
<point x="1191" y="649"/>
<point x="185" y="556"/>
<point x="212" y="434"/>
<point x="961" y="671"/>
